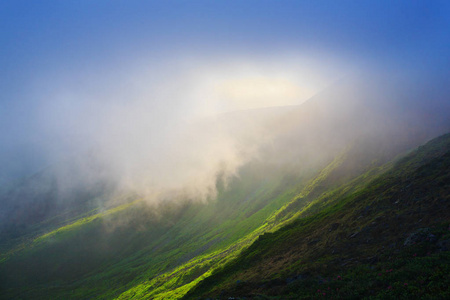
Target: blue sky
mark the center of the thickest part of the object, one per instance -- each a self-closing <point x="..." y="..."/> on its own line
<point x="44" y="44"/>
<point x="36" y="35"/>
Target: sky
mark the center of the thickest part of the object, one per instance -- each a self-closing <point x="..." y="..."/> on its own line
<point x="71" y="71"/>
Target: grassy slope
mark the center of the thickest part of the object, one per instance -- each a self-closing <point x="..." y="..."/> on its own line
<point x="349" y="242"/>
<point x="137" y="251"/>
<point x="131" y="252"/>
<point x="174" y="284"/>
<point x="105" y="254"/>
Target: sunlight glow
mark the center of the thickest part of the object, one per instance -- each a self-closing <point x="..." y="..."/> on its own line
<point x="253" y="92"/>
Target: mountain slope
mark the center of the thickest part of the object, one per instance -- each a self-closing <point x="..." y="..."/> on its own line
<point x="389" y="238"/>
<point x="103" y="244"/>
<point x="181" y="244"/>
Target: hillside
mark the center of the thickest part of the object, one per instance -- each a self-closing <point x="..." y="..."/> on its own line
<point x="118" y="251"/>
<point x="384" y="238"/>
<point x="91" y="240"/>
<point x="220" y="150"/>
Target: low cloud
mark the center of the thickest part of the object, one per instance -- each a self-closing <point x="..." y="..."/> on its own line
<point x="165" y="132"/>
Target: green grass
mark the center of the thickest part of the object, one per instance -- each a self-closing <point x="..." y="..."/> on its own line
<point x="133" y="247"/>
<point x="264" y="228"/>
<point x="64" y="230"/>
<point x="355" y="232"/>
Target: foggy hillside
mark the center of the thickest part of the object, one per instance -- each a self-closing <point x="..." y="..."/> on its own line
<point x="213" y="149"/>
<point x="83" y="210"/>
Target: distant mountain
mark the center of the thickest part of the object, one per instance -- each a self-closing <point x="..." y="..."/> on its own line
<point x="327" y="169"/>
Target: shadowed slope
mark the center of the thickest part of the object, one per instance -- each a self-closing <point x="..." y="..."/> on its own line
<point x="397" y="222"/>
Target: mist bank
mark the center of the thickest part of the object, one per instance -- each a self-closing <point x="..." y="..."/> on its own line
<point x="146" y="149"/>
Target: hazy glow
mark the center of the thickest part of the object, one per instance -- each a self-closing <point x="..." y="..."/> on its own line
<point x="254" y="92"/>
<point x="142" y="86"/>
<point x="221" y="84"/>
<point x="159" y="128"/>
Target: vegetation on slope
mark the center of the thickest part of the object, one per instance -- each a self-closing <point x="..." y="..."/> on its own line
<point x="134" y="245"/>
<point x="135" y="251"/>
<point x="386" y="237"/>
<point x="162" y="251"/>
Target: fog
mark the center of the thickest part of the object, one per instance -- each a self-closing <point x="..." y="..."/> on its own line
<point x="165" y="103"/>
<point x="167" y="129"/>
<point x="170" y="132"/>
